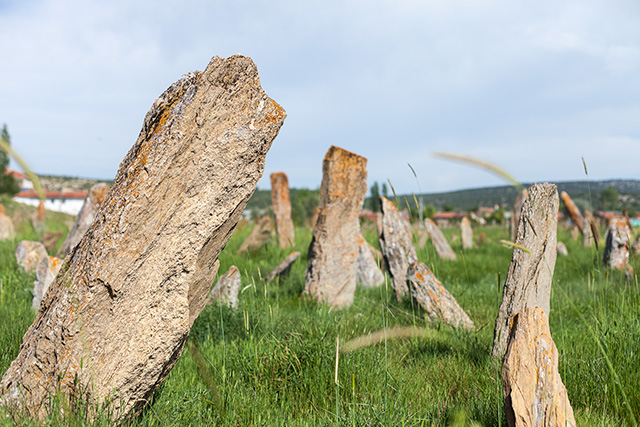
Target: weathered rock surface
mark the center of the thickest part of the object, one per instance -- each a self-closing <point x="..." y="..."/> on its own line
<point x="562" y="249"/>
<point x="284" y="267"/>
<point x="46" y="272"/>
<point x="574" y="212"/>
<point x="616" y="251"/>
<point x="7" y="230"/>
<point x="534" y="392"/>
<point x="466" y="233"/>
<point x="115" y="320"/>
<point x="258" y="236"/>
<point x="227" y="288"/>
<point x="439" y="241"/>
<point x="368" y="273"/>
<point x="435" y="300"/>
<point x="517" y="207"/>
<point x="282" y="209"/>
<point x="333" y="252"/>
<point x="397" y="249"/>
<point x="85" y="217"/>
<point x="50" y="240"/>
<point x="528" y="282"/>
<point x="30" y="254"/>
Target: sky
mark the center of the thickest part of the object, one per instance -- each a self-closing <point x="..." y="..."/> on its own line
<point x="532" y="87"/>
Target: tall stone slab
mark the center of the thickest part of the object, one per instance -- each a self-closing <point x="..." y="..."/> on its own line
<point x="258" y="236"/>
<point x="333" y="253"/>
<point x="227" y="289"/>
<point x="282" y="209"/>
<point x="618" y="239"/>
<point x="528" y="282"/>
<point x="466" y="233"/>
<point x="368" y="273"/>
<point x="7" y="230"/>
<point x="85" y="217"/>
<point x="439" y="241"/>
<point x="397" y="249"/>
<point x="534" y="392"/>
<point x="435" y="300"/>
<point x="114" y="322"/>
<point x="46" y="272"/>
<point x="517" y="207"/>
<point x="574" y="212"/>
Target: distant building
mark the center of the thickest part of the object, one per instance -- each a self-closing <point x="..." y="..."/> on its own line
<point x="447" y="219"/>
<point x="23" y="180"/>
<point x="69" y="202"/>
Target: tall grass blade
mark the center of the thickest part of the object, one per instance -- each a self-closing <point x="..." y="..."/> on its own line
<point x="6" y="147"/>
<point x="481" y="164"/>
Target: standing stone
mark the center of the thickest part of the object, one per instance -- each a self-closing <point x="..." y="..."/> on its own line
<point x="562" y="249"/>
<point x="368" y="273"/>
<point x="437" y="302"/>
<point x="46" y="272"/>
<point x="616" y="251"/>
<point x="227" y="288"/>
<point x="50" y="240"/>
<point x="282" y="209"/>
<point x="115" y="320"/>
<point x="534" y="392"/>
<point x="397" y="249"/>
<point x="284" y="267"/>
<point x="85" y="217"/>
<point x="590" y="232"/>
<point x="517" y="207"/>
<point x="466" y="233"/>
<point x="258" y="236"/>
<point x="439" y="241"/>
<point x="528" y="282"/>
<point x="333" y="252"/>
<point x="7" y="230"/>
<point x="575" y="232"/>
<point x="574" y="212"/>
<point x="38" y="220"/>
<point x="30" y="254"/>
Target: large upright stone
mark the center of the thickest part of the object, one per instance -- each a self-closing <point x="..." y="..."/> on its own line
<point x="115" y="320"/>
<point x="258" y="236"/>
<point x="435" y="300"/>
<point x="368" y="273"/>
<point x="616" y="251"/>
<point x="29" y="254"/>
<point x="517" y="208"/>
<point x="282" y="209"/>
<point x="46" y="272"/>
<point x="39" y="217"/>
<point x="574" y="212"/>
<point x="397" y="249"/>
<point x="333" y="252"/>
<point x="227" y="289"/>
<point x="439" y="241"/>
<point x="534" y="392"/>
<point x="466" y="233"/>
<point x="528" y="282"/>
<point x="85" y="217"/>
<point x="7" y="230"/>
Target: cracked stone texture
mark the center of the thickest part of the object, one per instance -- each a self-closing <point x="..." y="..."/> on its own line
<point x="331" y="269"/>
<point x="528" y="282"/>
<point x="115" y="320"/>
<point x="85" y="217"/>
<point x="397" y="249"/>
<point x="616" y="251"/>
<point x="534" y="392"/>
<point x="282" y="209"/>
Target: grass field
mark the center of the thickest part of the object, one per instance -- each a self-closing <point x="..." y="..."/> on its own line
<point x="272" y="361"/>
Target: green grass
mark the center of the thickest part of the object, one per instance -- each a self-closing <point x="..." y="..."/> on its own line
<point x="272" y="361"/>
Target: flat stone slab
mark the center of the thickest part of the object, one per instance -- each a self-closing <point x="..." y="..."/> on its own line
<point x="439" y="241"/>
<point x="259" y="235"/>
<point x="227" y="288"/>
<point x="284" y="267"/>
<point x="534" y="392"/>
<point x="282" y="209"/>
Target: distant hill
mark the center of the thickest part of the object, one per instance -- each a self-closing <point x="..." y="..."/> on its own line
<point x="583" y="193"/>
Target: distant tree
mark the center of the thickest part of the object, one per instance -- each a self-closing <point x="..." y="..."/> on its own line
<point x="303" y="204"/>
<point x="429" y="211"/>
<point x="609" y="198"/>
<point x="448" y="207"/>
<point x="8" y="184"/>
<point x="498" y="216"/>
<point x="385" y="190"/>
<point x="374" y="205"/>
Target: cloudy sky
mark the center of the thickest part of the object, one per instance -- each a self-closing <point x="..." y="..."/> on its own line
<point x="529" y="86"/>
